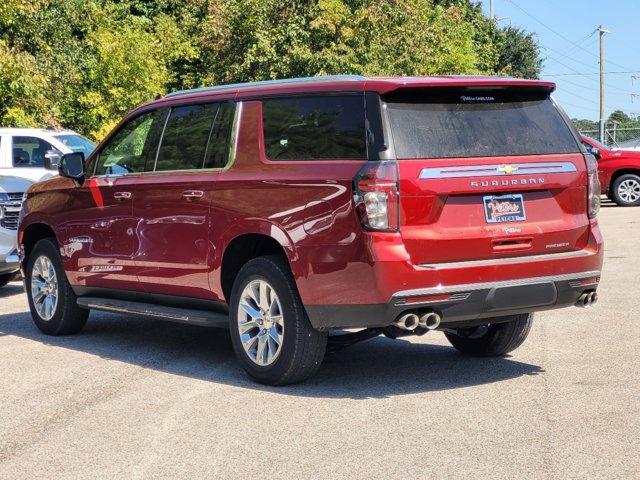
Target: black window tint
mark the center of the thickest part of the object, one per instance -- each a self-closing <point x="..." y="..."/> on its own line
<point x="30" y="152"/>
<point x="315" y="128"/>
<point x="184" y="141"/>
<point x="133" y="146"/>
<point x="458" y="124"/>
<point x="218" y="147"/>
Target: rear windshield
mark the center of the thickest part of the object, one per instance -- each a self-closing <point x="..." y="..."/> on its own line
<point x="478" y="124"/>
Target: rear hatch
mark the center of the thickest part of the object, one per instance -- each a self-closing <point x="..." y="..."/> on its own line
<point x="486" y="173"/>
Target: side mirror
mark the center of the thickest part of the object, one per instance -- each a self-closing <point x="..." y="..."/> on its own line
<point x="595" y="152"/>
<point x="72" y="166"/>
<point x="52" y="159"/>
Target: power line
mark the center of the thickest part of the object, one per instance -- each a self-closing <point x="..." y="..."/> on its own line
<point x="558" y="33"/>
<point x="590" y="73"/>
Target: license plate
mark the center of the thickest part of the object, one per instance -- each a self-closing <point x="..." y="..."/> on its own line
<point x="504" y="208"/>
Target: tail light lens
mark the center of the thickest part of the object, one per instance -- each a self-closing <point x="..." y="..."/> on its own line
<point x="377" y="196"/>
<point x="593" y="191"/>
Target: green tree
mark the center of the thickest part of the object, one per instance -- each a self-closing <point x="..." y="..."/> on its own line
<point x="519" y="54"/>
<point x="83" y="64"/>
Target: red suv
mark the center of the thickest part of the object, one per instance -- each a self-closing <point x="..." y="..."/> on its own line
<point x="619" y="172"/>
<point x="289" y="209"/>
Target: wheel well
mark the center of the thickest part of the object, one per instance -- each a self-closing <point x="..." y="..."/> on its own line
<point x="242" y="249"/>
<point x="34" y="233"/>
<point x="618" y="173"/>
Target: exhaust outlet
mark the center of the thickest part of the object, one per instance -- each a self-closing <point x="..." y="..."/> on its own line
<point x="430" y="320"/>
<point x="408" y="321"/>
<point x="587" y="299"/>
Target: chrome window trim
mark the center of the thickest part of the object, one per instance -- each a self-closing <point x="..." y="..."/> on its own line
<point x="494" y="169"/>
<point x="498" y="284"/>
<point x="233" y="139"/>
<point x="166" y="120"/>
<point x="504" y="261"/>
<point x="235" y="133"/>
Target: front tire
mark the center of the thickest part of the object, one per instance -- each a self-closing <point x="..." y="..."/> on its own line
<point x="270" y="331"/>
<point x="53" y="304"/>
<point x="626" y="190"/>
<point x="492" y="340"/>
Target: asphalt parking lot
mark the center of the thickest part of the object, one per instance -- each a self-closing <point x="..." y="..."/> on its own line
<point x="134" y="398"/>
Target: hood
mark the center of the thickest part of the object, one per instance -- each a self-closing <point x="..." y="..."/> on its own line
<point x="12" y="184"/>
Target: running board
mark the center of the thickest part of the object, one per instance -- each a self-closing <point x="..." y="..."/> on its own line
<point x="205" y="318"/>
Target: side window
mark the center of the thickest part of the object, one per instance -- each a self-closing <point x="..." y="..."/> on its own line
<point x="321" y="127"/>
<point x="132" y="149"/>
<point x="30" y="152"/>
<point x="218" y="147"/>
<point x="185" y="137"/>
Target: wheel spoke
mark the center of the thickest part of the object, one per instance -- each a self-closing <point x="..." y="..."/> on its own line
<point x="264" y="296"/>
<point x="248" y="326"/>
<point x="275" y="336"/>
<point x="249" y="310"/>
<point x="262" y="349"/>
<point x="249" y="341"/>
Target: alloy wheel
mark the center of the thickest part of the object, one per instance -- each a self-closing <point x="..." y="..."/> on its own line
<point x="260" y="322"/>
<point x="44" y="287"/>
<point x="629" y="190"/>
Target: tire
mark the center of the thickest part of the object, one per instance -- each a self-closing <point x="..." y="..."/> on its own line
<point x="65" y="318"/>
<point x="6" y="278"/>
<point x="301" y="348"/>
<point x="492" y="340"/>
<point x="626" y="190"/>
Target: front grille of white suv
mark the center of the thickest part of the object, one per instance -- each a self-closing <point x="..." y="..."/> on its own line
<point x="10" y="211"/>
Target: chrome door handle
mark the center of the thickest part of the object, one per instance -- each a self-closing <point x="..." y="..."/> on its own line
<point x="192" y="194"/>
<point x="122" y="195"/>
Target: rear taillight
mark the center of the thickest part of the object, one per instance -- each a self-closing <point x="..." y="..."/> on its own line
<point x="377" y="197"/>
<point x="593" y="191"/>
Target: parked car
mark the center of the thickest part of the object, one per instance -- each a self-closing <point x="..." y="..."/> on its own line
<point x="285" y="210"/>
<point x="619" y="172"/>
<point x="11" y="192"/>
<point x="34" y="153"/>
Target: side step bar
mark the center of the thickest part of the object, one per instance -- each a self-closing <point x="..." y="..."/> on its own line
<point x="205" y="318"/>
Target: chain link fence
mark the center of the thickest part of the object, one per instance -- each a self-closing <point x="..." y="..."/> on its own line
<point x="618" y="137"/>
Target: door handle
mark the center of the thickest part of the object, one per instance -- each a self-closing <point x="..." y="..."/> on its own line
<point x="122" y="195"/>
<point x="192" y="194"/>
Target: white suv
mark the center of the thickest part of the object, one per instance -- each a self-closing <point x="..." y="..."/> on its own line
<point x="27" y="155"/>
<point x="34" y="153"/>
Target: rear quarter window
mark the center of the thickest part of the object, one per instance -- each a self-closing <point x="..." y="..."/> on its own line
<point x="319" y="127"/>
<point x="478" y="124"/>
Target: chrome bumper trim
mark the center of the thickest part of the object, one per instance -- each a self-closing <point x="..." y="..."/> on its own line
<point x="499" y="284"/>
<point x="505" y="261"/>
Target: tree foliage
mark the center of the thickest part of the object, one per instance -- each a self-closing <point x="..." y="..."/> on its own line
<point x="84" y="63"/>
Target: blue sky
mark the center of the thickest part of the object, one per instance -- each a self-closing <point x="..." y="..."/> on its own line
<point x="564" y="31"/>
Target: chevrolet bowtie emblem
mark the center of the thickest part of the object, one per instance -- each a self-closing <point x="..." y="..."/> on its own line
<point x="507" y="169"/>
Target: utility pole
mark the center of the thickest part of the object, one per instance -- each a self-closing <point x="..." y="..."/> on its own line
<point x="491" y="15"/>
<point x="602" y="32"/>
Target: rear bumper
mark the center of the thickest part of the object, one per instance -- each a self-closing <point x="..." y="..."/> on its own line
<point x="462" y="305"/>
<point x="384" y="284"/>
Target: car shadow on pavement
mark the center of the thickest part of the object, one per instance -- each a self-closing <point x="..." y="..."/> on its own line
<point x="11" y="289"/>
<point x="377" y="368"/>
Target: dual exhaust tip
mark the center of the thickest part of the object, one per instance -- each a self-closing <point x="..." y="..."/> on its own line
<point x="411" y="321"/>
<point x="587" y="299"/>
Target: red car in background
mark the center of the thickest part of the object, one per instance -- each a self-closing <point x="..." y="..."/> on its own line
<point x="619" y="172"/>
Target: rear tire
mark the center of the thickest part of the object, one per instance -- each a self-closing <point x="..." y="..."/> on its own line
<point x="626" y="190"/>
<point x="492" y="340"/>
<point x="57" y="313"/>
<point x="6" y="278"/>
<point x="277" y="345"/>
